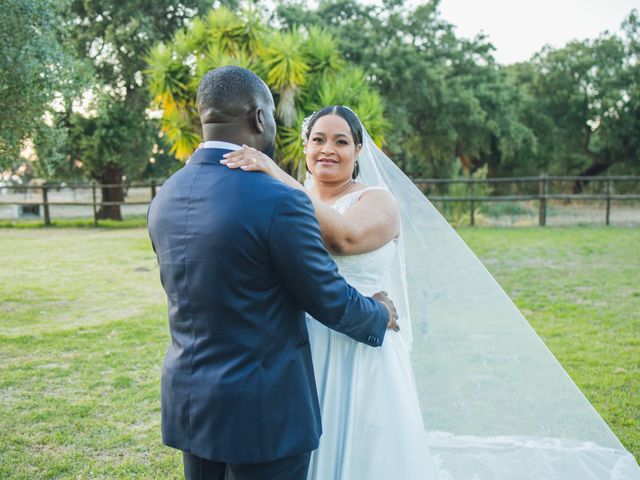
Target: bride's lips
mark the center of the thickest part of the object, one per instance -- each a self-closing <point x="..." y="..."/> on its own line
<point x="327" y="161"/>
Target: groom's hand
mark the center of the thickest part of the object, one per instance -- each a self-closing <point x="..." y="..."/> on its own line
<point x="384" y="299"/>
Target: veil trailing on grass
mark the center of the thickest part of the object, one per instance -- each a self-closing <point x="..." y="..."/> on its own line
<point x="496" y="404"/>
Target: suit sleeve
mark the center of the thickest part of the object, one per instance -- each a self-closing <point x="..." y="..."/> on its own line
<point x="311" y="276"/>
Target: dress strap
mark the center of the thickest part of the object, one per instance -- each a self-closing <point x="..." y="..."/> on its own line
<point x="358" y="193"/>
<point x="372" y="188"/>
<point x="347" y="201"/>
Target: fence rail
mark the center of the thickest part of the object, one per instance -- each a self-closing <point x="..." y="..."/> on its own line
<point x="47" y="187"/>
<point x="542" y="196"/>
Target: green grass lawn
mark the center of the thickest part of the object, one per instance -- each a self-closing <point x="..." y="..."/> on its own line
<point x="83" y="332"/>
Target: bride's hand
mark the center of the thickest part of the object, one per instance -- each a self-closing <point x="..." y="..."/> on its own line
<point x="250" y="160"/>
<point x="392" y="320"/>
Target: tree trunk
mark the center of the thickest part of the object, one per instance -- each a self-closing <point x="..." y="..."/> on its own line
<point x="601" y="162"/>
<point x="113" y="192"/>
<point x="465" y="161"/>
<point x="595" y="169"/>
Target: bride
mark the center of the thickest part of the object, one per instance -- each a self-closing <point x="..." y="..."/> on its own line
<point x="496" y="403"/>
<point x="371" y="421"/>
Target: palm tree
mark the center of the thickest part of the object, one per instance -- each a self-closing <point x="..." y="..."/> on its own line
<point x="303" y="68"/>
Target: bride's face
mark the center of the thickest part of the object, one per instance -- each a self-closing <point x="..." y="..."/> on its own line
<point x="331" y="152"/>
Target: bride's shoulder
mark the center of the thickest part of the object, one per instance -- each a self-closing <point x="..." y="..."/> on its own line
<point x="363" y="188"/>
<point x="378" y="192"/>
<point x="376" y="196"/>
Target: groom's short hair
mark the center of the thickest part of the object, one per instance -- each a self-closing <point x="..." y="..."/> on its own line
<point x="229" y="90"/>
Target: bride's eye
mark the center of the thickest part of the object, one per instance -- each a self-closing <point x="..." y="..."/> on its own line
<point x="316" y="139"/>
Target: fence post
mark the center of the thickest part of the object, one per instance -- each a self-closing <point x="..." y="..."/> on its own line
<point x="153" y="189"/>
<point x="472" y="206"/>
<point x="609" y="188"/>
<point x="542" y="193"/>
<point x="45" y="204"/>
<point x="95" y="206"/>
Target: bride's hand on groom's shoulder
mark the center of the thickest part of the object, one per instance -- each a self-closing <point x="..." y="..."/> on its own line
<point x="250" y="160"/>
<point x="384" y="299"/>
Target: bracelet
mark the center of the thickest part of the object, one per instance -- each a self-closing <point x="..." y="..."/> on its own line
<point x="389" y="315"/>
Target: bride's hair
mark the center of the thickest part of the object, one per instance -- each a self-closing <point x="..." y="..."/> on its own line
<point x="348" y="116"/>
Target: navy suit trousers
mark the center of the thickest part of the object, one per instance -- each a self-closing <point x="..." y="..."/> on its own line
<point x="289" y="468"/>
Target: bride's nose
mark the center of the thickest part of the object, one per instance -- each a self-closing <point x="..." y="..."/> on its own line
<point x="326" y="149"/>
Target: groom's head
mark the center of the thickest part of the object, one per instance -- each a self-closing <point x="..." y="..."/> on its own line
<point x="236" y="106"/>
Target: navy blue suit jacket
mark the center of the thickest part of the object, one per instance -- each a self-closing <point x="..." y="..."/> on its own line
<point x="241" y="259"/>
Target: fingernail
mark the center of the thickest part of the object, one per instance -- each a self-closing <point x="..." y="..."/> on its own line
<point x="225" y="155"/>
<point x="223" y="162"/>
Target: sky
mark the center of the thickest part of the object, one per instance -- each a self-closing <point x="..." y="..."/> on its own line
<point x="519" y="28"/>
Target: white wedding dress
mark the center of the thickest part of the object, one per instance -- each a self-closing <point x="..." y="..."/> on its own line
<point x="496" y="403"/>
<point x="371" y="420"/>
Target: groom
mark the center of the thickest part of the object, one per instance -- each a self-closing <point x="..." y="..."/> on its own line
<point x="241" y="259"/>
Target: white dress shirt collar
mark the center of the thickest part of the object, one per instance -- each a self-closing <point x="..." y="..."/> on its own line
<point x="221" y="145"/>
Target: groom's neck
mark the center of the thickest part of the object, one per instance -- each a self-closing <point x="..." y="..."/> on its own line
<point x="226" y="133"/>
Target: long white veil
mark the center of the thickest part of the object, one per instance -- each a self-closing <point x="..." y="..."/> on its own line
<point x="496" y="403"/>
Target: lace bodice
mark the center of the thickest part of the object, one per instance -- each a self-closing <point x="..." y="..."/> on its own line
<point x="363" y="271"/>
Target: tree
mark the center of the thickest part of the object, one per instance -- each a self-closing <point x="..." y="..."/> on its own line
<point x="303" y="68"/>
<point x="589" y="92"/>
<point x="115" y="35"/>
<point x="36" y="69"/>
<point x="446" y="98"/>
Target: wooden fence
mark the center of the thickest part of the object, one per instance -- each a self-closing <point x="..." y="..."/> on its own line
<point x="542" y="195"/>
<point x="95" y="203"/>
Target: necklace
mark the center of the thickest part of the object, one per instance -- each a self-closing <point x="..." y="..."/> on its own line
<point x="341" y="191"/>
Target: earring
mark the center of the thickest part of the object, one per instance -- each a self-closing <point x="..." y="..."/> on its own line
<point x="356" y="170"/>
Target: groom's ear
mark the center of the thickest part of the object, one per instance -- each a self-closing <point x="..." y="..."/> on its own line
<point x="257" y="120"/>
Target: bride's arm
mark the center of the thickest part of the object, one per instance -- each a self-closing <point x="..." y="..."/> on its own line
<point x="371" y="223"/>
<point x="368" y="225"/>
<point x="252" y="160"/>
